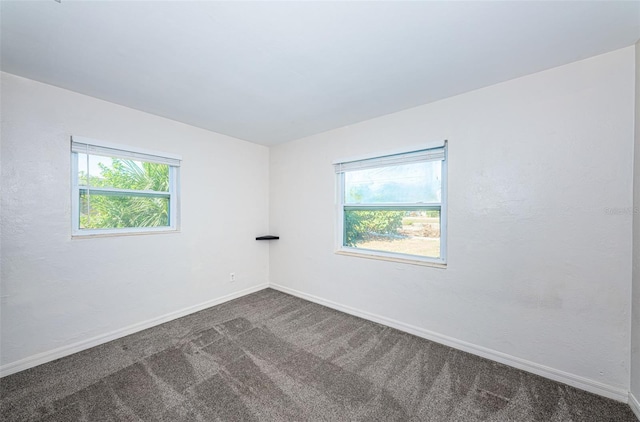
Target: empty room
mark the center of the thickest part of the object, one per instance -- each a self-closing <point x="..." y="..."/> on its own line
<point x="320" y="211"/>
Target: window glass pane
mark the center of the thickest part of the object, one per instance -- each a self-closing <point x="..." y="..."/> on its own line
<point x="82" y="169"/>
<point x="108" y="172"/>
<point x="397" y="231"/>
<point x="112" y="210"/>
<point x="406" y="183"/>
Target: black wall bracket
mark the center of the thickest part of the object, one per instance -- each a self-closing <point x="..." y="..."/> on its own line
<point x="268" y="237"/>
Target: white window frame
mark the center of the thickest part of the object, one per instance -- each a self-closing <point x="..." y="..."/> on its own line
<point x="395" y="158"/>
<point x="90" y="146"/>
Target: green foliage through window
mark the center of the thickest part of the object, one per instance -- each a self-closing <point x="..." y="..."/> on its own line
<point x="112" y="204"/>
<point x="361" y="225"/>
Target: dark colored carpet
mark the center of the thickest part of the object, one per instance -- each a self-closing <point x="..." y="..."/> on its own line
<point x="272" y="357"/>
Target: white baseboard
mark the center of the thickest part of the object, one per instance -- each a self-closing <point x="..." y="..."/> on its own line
<point x="40" y="358"/>
<point x="635" y="405"/>
<point x="592" y="386"/>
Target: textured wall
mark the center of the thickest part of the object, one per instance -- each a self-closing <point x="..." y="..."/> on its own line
<point x="635" y="323"/>
<point x="58" y="291"/>
<point x="539" y="255"/>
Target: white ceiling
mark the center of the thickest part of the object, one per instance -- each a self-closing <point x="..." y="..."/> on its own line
<point x="270" y="72"/>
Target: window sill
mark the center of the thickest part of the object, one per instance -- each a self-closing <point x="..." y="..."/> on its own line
<point x="392" y="259"/>
<point x="121" y="234"/>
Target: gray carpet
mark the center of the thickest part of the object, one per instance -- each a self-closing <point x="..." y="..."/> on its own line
<point x="272" y="357"/>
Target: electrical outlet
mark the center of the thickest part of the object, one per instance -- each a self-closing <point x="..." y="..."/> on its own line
<point x="232" y="277"/>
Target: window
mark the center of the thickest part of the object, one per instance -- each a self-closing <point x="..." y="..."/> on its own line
<point x="394" y="206"/>
<point x="118" y="189"/>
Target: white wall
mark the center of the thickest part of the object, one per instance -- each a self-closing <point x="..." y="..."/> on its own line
<point x="635" y="323"/>
<point x="57" y="291"/>
<point x="539" y="268"/>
